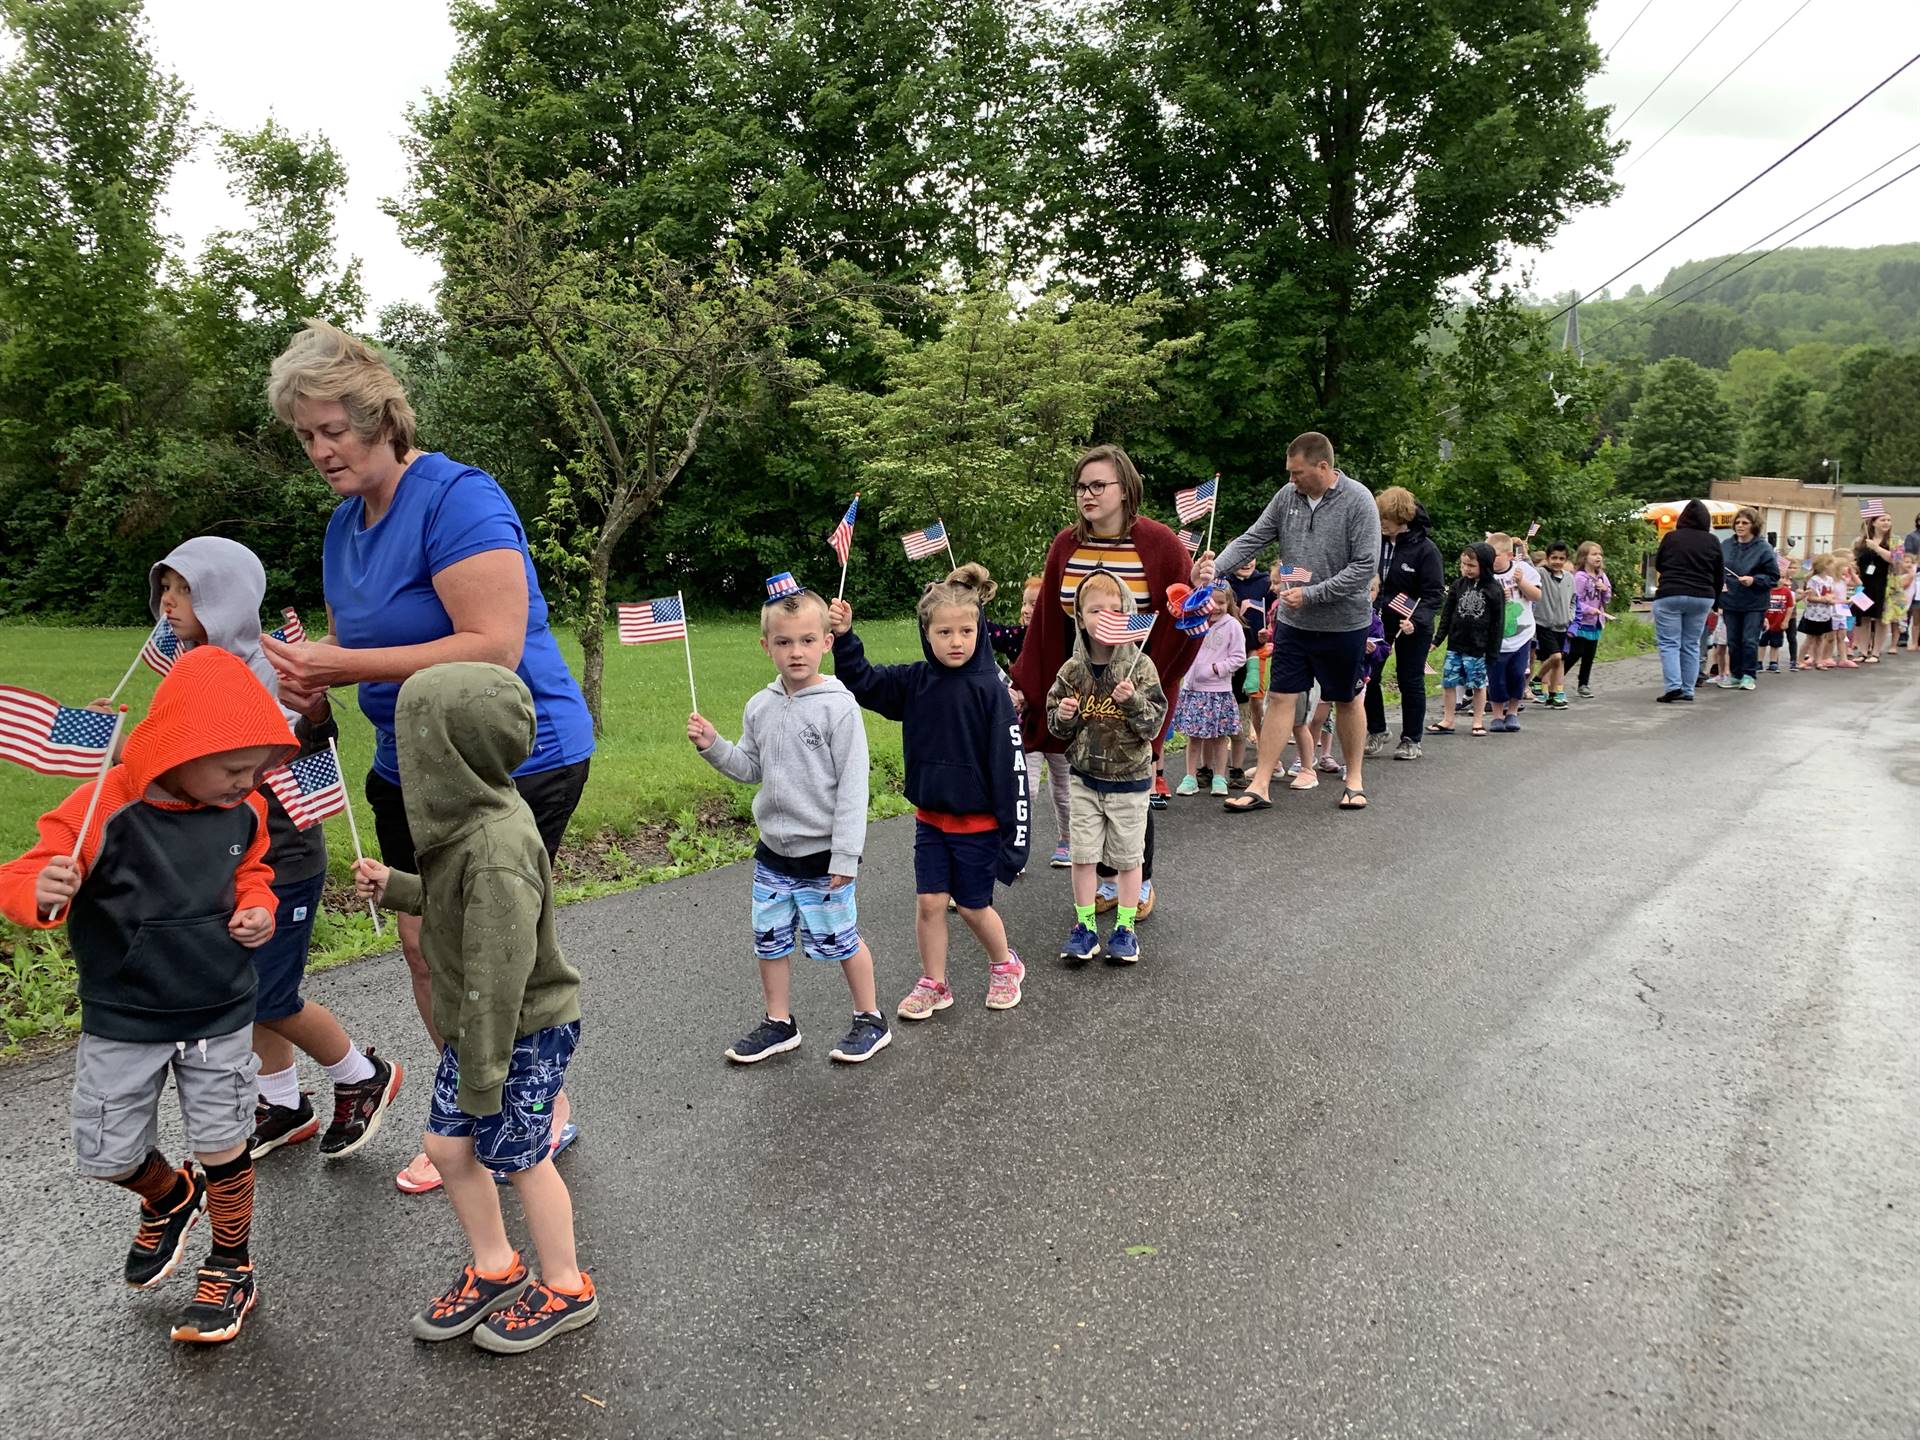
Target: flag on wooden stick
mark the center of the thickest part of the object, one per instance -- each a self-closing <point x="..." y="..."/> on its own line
<point x="652" y="620"/>
<point x="162" y="647"/>
<point x="42" y="734"/>
<point x="1190" y="505"/>
<point x="309" y="789"/>
<point x="922" y="543"/>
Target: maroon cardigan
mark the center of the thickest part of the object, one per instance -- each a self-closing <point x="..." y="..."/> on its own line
<point x="1050" y="636"/>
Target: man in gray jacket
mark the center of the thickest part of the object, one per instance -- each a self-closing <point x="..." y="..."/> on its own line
<point x="1328" y="532"/>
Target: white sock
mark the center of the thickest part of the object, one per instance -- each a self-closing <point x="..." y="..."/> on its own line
<point x="281" y="1088"/>
<point x="350" y="1069"/>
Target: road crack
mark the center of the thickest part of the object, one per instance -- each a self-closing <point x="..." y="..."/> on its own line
<point x="1648" y="988"/>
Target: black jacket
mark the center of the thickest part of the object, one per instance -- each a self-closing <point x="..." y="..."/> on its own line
<point x="1410" y="565"/>
<point x="1689" y="558"/>
<point x="1469" y="629"/>
<point x="959" y="735"/>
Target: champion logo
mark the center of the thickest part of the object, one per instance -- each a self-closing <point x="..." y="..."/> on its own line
<point x="236" y="849"/>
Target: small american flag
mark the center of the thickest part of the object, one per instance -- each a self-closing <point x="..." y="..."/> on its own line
<point x="1293" y="574"/>
<point x="922" y="543"/>
<point x="1190" y="505"/>
<point x="652" y="620"/>
<point x="1403" y="606"/>
<point x="293" y="632"/>
<point x="42" y="734"/>
<point x="162" y="647"/>
<point x="1116" y="627"/>
<point x="1193" y="540"/>
<point x="309" y="788"/>
<point x="1872" y="509"/>
<point x="841" y="540"/>
<point x="1533" y="529"/>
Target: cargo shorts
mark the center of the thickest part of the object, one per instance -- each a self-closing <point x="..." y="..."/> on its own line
<point x="117" y="1086"/>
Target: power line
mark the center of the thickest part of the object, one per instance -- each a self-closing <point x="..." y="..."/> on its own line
<point x="1641" y="155"/>
<point x="1626" y="32"/>
<point x="1676" y="65"/>
<point x="1722" y="204"/>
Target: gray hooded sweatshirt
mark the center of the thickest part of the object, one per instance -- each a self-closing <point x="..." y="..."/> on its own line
<point x="1337" y="542"/>
<point x="808" y="754"/>
<point x="228" y="586"/>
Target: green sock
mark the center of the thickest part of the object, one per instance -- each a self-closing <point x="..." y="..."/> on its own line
<point x="1084" y="914"/>
<point x="1123" y="917"/>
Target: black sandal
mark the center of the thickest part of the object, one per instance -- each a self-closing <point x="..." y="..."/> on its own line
<point x="1348" y="794"/>
<point x="1438" y="729"/>
<point x="1254" y="802"/>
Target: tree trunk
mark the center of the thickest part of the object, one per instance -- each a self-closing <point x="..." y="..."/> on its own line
<point x="593" y="636"/>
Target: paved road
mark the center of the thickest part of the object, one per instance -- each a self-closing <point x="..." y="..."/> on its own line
<point x="1573" y="1092"/>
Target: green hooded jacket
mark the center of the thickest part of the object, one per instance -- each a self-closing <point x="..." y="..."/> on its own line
<point x="484" y="891"/>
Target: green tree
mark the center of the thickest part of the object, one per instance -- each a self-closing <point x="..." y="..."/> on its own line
<point x="1893" y="394"/>
<point x="1747" y="378"/>
<point x="1779" y="438"/>
<point x="1705" y="333"/>
<point x="1682" y="434"/>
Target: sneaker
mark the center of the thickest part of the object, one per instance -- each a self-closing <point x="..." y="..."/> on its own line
<point x="1667" y="697"/>
<point x="1409" y="750"/>
<point x="469" y="1300"/>
<point x="1725" y="682"/>
<point x="1003" y="982"/>
<point x="1377" y="744"/>
<point x="1236" y="776"/>
<point x="1538" y="691"/>
<point x="1773" y="667"/>
<point x="1746" y="682"/>
<point x="868" y="1036"/>
<point x="1062" y="858"/>
<point x="1557" y="700"/>
<point x="277" y="1125"/>
<point x="161" y="1241"/>
<point x="1327" y="765"/>
<point x="1188" y="786"/>
<point x="539" y="1314"/>
<point x="357" y="1108"/>
<point x="1106" y="897"/>
<point x="928" y="996"/>
<point x="1157" y="799"/>
<point x="769" y="1038"/>
<point x="1083" y="943"/>
<point x="1146" y="901"/>
<point x="1586" y="692"/>
<point x="1123" y="946"/>
<point x="1683" y="698"/>
<point x="1293" y="768"/>
<point x="221" y="1299"/>
<point x="1204" y="775"/>
<point x="1219" y="785"/>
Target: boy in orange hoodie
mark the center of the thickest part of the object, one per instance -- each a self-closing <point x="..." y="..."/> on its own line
<point x="168" y="895"/>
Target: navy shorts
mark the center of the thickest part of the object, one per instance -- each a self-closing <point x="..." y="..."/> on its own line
<point x="281" y="963"/>
<point x="958" y="865"/>
<point x="516" y="1138"/>
<point x="552" y="796"/>
<point x="1507" y="678"/>
<point x="1334" y="659"/>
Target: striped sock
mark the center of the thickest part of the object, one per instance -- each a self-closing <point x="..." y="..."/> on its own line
<point x="230" y="1207"/>
<point x="159" y="1186"/>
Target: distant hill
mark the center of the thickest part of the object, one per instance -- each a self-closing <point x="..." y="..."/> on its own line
<point x="1844" y="297"/>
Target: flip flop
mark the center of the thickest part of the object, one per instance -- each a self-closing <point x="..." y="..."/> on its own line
<point x="407" y="1185"/>
<point x="569" y="1133"/>
<point x="1438" y="729"/>
<point x="1348" y="794"/>
<point x="1254" y="802"/>
<point x="1478" y="730"/>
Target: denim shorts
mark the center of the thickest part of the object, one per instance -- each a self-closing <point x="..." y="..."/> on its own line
<point x="281" y="963"/>
<point x="1464" y="672"/>
<point x="825" y="922"/>
<point x="516" y="1138"/>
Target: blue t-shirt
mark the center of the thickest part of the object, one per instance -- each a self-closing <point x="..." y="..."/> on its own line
<point x="379" y="583"/>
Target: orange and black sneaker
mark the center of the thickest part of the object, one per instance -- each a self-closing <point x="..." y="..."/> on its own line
<point x="161" y="1240"/>
<point x="277" y="1125"/>
<point x="358" y="1108"/>
<point x="221" y="1300"/>
<point x="468" y="1301"/>
<point x="536" y="1317"/>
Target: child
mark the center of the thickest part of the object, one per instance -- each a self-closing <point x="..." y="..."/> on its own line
<point x="1507" y="676"/>
<point x="504" y="997"/>
<point x="1469" y="626"/>
<point x="1553" y="616"/>
<point x="803" y="742"/>
<point x="1846" y="619"/>
<point x="169" y="893"/>
<point x="1774" y="627"/>
<point x="1592" y="594"/>
<point x="210" y="590"/>
<point x="1716" y="646"/>
<point x="1816" y="618"/>
<point x="1253" y="595"/>
<point x="966" y="776"/>
<point x="1206" y="713"/>
<point x="1107" y="704"/>
<point x="1009" y="640"/>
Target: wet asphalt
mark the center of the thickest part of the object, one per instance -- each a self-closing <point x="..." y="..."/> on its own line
<point x="1573" y="1091"/>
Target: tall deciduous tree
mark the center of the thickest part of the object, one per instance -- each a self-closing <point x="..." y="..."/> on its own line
<point x="1682" y="434"/>
<point x="1893" y="455"/>
<point x="1779" y="438"/>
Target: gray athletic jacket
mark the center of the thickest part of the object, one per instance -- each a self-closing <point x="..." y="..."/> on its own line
<point x="1336" y="542"/>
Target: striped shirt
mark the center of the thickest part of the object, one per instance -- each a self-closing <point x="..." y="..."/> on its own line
<point x="1116" y="555"/>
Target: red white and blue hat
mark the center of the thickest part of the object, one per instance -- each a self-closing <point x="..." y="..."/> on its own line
<point x="781" y="586"/>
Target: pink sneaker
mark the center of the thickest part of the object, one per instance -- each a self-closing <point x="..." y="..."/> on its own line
<point x="1003" y="988"/>
<point x="927" y="997"/>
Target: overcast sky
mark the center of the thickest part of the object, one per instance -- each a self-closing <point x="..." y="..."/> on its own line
<point x="350" y="68"/>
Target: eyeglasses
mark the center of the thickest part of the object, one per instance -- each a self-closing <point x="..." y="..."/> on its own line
<point x="1091" y="487"/>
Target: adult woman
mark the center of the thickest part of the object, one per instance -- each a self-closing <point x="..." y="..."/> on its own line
<point x="1751" y="570"/>
<point x="1409" y="566"/>
<point x="425" y="562"/>
<point x="1689" y="566"/>
<point x="1873" y="556"/>
<point x="1109" y="534"/>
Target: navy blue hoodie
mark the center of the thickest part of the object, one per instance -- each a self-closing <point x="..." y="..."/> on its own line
<point x="961" y="739"/>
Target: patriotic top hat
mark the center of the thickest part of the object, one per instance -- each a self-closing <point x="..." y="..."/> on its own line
<point x="1195" y="611"/>
<point x="781" y="586"/>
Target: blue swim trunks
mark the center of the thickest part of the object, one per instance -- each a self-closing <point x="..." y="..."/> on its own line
<point x="826" y="922"/>
<point x="516" y="1138"/>
<point x="1467" y="672"/>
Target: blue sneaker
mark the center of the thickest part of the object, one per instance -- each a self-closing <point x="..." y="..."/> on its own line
<point x="1062" y="858"/>
<point x="1082" y="944"/>
<point x="1106" y="897"/>
<point x="1123" y="946"/>
<point x="868" y="1037"/>
<point x="767" y="1039"/>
